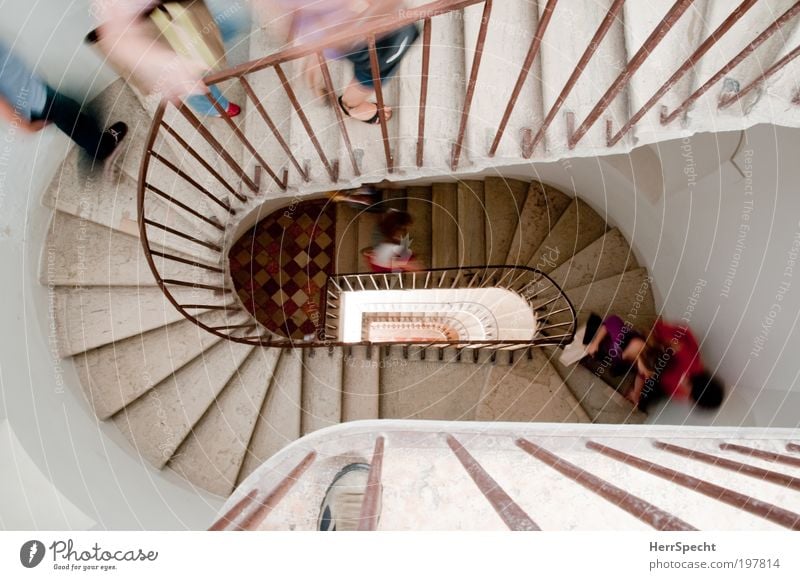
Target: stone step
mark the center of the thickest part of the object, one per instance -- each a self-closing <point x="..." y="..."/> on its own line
<point x="347" y="250"/>
<point x="361" y="384"/>
<point x="542" y="208"/>
<point x="444" y="225"/>
<point x="503" y="202"/>
<point x="322" y="389"/>
<point x="607" y="256"/>
<point x="93" y="255"/>
<point x="118" y="373"/>
<point x="446" y="89"/>
<point x="577" y="227"/>
<point x="279" y="419"/>
<point x="471" y="224"/>
<point x="431" y="389"/>
<point x="601" y="402"/>
<point x="559" y="60"/>
<point x="511" y="28"/>
<point x="419" y="204"/>
<point x="157" y="423"/>
<point x="529" y="390"/>
<point x="628" y="295"/>
<point x="111" y="201"/>
<point x="212" y="455"/>
<point x="88" y="318"/>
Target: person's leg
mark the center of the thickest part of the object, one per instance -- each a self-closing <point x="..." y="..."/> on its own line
<point x="203" y="106"/>
<point x="233" y="17"/>
<point x="83" y="129"/>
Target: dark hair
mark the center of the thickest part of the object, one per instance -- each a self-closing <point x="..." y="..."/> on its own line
<point x="707" y="390"/>
<point x="393" y="222"/>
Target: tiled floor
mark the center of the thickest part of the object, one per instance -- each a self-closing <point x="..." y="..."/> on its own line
<point x="280" y="267"/>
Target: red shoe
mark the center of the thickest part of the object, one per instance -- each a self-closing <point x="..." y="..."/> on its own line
<point x="233" y="110"/>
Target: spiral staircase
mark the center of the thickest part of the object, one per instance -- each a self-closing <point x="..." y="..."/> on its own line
<point x="136" y="257"/>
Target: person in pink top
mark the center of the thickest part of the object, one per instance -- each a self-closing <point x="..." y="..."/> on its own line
<point x="680" y="374"/>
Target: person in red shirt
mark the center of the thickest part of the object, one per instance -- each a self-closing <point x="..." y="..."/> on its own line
<point x="680" y="374"/>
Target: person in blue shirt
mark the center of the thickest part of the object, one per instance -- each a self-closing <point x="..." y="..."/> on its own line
<point x="29" y="103"/>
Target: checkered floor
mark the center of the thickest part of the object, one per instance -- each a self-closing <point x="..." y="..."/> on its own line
<point x="280" y="267"/>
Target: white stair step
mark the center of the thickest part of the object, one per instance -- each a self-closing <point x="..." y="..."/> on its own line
<point x="87" y="318"/>
<point x="113" y="203"/>
<point x="446" y="91"/>
<point x="279" y="420"/>
<point x="361" y="384"/>
<point x="602" y="403"/>
<point x="757" y="19"/>
<point x="607" y="256"/>
<point x="511" y="28"/>
<point x="543" y="206"/>
<point x="471" y="224"/>
<point x="444" y="224"/>
<point x="157" y="423"/>
<point x="628" y="295"/>
<point x="212" y="455"/>
<point x="93" y="255"/>
<point x="503" y="202"/>
<point x="431" y="389"/>
<point x="322" y="389"/>
<point x="536" y="487"/>
<point x="112" y="375"/>
<point x="577" y="227"/>
<point x="559" y="60"/>
<point x="530" y="390"/>
<point x="419" y="481"/>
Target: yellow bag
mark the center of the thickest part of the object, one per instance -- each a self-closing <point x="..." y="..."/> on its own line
<point x="187" y="26"/>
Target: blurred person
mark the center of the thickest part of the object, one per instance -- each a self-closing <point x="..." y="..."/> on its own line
<point x="615" y="346"/>
<point x="680" y="373"/>
<point x="313" y="21"/>
<point x="130" y="36"/>
<point x="28" y="102"/>
<point x="391" y="249"/>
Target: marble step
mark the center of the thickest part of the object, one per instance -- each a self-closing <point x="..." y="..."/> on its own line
<point x="577" y="227"/>
<point x="540" y="212"/>
<point x="419" y="204"/>
<point x="347" y="255"/>
<point x="529" y="390"/>
<point x="322" y="389"/>
<point x="279" y="419"/>
<point x="88" y="318"/>
<point x="511" y="28"/>
<point x="607" y="256"/>
<point x="471" y="224"/>
<point x="602" y="403"/>
<point x="112" y="376"/>
<point x="445" y="97"/>
<point x="361" y="383"/>
<point x="431" y="389"/>
<point x="212" y="455"/>
<point x="111" y="201"/>
<point x="559" y="59"/>
<point x="157" y="423"/>
<point x="93" y="255"/>
<point x="444" y="225"/>
<point x="628" y="295"/>
<point x="503" y="202"/>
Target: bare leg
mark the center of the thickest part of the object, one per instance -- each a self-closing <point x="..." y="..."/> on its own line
<point x="355" y="99"/>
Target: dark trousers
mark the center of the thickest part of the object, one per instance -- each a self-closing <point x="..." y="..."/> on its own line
<point x="82" y="128"/>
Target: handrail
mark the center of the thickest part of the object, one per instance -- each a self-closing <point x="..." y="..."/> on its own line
<point x="209" y="186"/>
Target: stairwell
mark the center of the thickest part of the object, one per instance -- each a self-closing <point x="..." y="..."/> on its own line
<point x="213" y="410"/>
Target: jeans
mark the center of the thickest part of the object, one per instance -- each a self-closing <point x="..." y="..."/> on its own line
<point x="82" y="128"/>
<point x="233" y="18"/>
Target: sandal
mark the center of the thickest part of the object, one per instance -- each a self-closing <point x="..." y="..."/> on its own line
<point x="374" y="120"/>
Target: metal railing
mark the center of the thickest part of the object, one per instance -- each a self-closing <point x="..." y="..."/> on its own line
<point x="187" y="202"/>
<point x="553" y="313"/>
